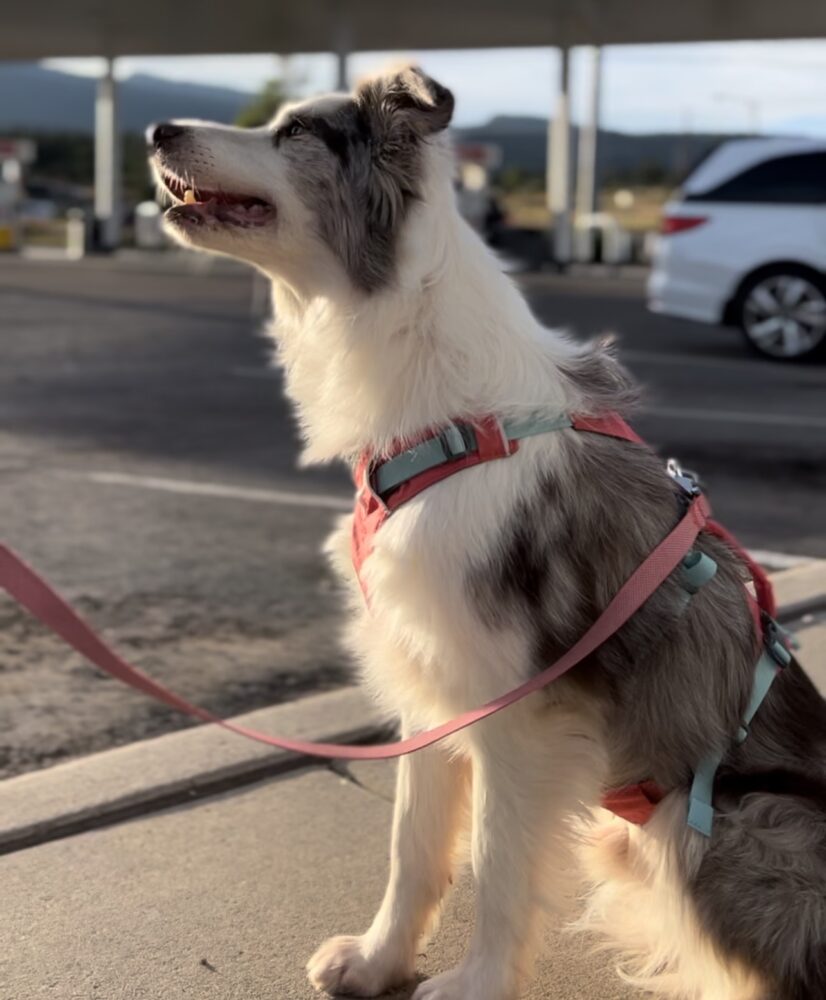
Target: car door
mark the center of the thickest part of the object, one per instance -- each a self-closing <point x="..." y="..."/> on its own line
<point x="769" y="213"/>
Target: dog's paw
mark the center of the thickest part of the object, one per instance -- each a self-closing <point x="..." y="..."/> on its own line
<point x="462" y="984"/>
<point x="344" y="965"/>
<point x="444" y="987"/>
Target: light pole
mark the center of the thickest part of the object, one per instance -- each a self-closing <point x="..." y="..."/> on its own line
<point x="586" y="182"/>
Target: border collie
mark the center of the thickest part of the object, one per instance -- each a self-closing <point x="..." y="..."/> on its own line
<point x="392" y="319"/>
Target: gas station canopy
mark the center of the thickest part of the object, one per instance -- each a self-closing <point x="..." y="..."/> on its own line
<point x="38" y="29"/>
<point x="42" y="28"/>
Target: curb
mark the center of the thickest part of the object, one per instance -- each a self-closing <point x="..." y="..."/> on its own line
<point x="801" y="590"/>
<point x="173" y="769"/>
<point x="177" y="768"/>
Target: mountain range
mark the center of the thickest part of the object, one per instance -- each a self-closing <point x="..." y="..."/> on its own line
<point x="34" y="98"/>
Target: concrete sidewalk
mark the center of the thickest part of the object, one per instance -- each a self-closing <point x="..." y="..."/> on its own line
<point x="225" y="899"/>
<point x="197" y="865"/>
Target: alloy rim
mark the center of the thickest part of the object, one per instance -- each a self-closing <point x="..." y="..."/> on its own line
<point x="785" y="316"/>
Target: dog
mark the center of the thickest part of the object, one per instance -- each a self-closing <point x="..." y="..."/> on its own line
<point x="393" y="318"/>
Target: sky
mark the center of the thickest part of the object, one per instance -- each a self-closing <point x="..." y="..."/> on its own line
<point x="744" y="86"/>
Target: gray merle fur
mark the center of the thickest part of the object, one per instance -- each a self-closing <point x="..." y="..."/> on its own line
<point x="362" y="191"/>
<point x="673" y="685"/>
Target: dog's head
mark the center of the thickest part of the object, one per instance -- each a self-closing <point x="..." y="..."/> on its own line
<point x="328" y="184"/>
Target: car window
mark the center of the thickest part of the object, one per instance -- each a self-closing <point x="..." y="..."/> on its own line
<point x="785" y="180"/>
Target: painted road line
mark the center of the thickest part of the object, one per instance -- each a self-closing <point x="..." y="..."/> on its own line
<point x="738" y="417"/>
<point x="770" y="372"/>
<point x="283" y="498"/>
<point x="680" y="413"/>
<point x="323" y="501"/>
<point x="754" y="367"/>
<point x="244" y="372"/>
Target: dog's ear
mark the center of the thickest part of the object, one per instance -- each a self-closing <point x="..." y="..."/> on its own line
<point x="398" y="111"/>
<point x="406" y="101"/>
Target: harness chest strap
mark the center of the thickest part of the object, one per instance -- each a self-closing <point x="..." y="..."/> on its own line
<point x="383" y="486"/>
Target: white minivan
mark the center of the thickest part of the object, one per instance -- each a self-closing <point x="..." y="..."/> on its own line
<point x="743" y="243"/>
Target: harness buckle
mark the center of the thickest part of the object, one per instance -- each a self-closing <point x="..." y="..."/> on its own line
<point x="773" y="639"/>
<point x="457" y="440"/>
<point x="689" y="482"/>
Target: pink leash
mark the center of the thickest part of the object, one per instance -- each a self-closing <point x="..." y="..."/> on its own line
<point x="33" y="593"/>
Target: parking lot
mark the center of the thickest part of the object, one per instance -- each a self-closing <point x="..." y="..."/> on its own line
<point x="148" y="462"/>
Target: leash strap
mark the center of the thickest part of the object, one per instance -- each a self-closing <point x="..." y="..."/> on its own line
<point x="31" y="591"/>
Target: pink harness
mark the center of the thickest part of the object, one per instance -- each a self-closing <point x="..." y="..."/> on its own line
<point x="634" y="803"/>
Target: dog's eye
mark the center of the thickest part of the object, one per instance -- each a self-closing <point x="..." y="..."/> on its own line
<point x="293" y="129"/>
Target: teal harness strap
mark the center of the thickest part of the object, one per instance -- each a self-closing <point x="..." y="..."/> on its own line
<point x="772" y="660"/>
<point x="454" y="442"/>
<point x="450" y="444"/>
<point x="768" y="667"/>
<point x="696" y="570"/>
<point x="700" y="809"/>
<point x="515" y="430"/>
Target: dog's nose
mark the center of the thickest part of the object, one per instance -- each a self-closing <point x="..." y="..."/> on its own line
<point x="160" y="135"/>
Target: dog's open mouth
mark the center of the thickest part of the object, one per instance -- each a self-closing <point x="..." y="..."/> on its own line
<point x="195" y="206"/>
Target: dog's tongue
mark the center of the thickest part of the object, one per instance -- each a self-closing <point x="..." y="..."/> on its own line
<point x="225" y="208"/>
<point x="248" y="209"/>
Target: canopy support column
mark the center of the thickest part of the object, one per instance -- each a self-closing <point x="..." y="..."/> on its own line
<point x="342" y="82"/>
<point x="108" y="207"/>
<point x="559" y="177"/>
<point x="343" y="44"/>
<point x="586" y="178"/>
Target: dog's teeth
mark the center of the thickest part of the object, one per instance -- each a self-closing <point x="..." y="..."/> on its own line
<point x="189" y="197"/>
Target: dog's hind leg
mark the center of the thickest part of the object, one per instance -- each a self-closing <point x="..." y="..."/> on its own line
<point x="641" y="905"/>
<point x="431" y="799"/>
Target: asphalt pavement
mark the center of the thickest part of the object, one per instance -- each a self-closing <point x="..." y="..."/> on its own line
<point x="148" y="462"/>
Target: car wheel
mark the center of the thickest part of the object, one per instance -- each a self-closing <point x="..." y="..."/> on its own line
<point x="783" y="313"/>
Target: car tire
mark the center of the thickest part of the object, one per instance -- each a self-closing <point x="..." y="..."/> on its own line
<point x="782" y="313"/>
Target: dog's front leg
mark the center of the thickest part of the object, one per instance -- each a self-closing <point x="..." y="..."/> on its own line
<point x="521" y="795"/>
<point x="430" y="800"/>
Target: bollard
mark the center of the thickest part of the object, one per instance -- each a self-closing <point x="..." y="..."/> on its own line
<point x="76" y="234"/>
